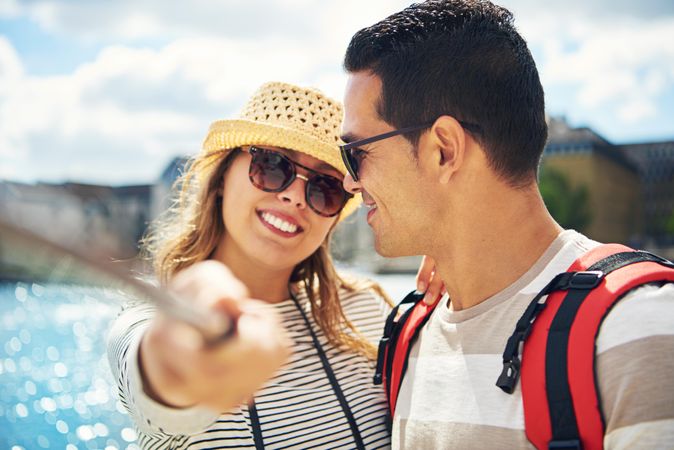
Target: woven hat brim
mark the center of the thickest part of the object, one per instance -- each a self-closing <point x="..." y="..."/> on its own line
<point x="229" y="134"/>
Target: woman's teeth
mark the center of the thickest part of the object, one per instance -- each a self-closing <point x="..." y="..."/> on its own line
<point x="279" y="224"/>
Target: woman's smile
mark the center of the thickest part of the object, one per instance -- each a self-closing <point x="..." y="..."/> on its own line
<point x="281" y="224"/>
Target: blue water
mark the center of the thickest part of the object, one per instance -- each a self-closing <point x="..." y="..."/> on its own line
<point x="56" y="389"/>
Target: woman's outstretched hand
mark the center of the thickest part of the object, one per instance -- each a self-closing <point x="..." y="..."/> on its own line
<point x="181" y="369"/>
<point x="428" y="281"/>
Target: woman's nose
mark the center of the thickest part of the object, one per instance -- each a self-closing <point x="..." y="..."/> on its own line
<point x="295" y="192"/>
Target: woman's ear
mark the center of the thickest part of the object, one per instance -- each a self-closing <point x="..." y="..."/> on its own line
<point x="448" y="143"/>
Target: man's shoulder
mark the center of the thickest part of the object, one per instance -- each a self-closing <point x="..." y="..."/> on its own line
<point x="633" y="365"/>
<point x="646" y="310"/>
<point x="643" y="312"/>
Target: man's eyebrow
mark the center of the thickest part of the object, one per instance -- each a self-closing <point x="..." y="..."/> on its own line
<point x="349" y="137"/>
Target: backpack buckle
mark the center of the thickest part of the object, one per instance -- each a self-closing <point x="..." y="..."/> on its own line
<point x="588" y="279"/>
<point x="509" y="375"/>
<point x="379" y="370"/>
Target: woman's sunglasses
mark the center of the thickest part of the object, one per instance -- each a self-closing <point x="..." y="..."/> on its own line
<point x="272" y="171"/>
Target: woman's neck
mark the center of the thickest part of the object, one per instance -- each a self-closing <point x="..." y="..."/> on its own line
<point x="263" y="282"/>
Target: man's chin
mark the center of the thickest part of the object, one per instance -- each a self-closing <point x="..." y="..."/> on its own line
<point x="387" y="249"/>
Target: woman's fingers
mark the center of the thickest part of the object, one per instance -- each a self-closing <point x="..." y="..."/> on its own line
<point x="428" y="281"/>
<point x="434" y="291"/>
<point x="165" y="361"/>
<point x="209" y="282"/>
<point x="261" y="347"/>
<point x="425" y="273"/>
<point x="181" y="368"/>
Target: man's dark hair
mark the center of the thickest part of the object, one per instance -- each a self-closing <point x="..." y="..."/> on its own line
<point x="462" y="58"/>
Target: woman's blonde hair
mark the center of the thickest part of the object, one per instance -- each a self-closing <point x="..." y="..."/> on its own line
<point x="191" y="229"/>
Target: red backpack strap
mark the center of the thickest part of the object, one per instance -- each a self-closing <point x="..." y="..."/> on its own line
<point x="400" y="330"/>
<point x="408" y="333"/>
<point x="561" y="404"/>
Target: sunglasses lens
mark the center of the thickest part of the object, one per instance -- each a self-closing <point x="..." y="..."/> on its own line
<point x="351" y="163"/>
<point x="326" y="195"/>
<point x="270" y="171"/>
<point x="355" y="163"/>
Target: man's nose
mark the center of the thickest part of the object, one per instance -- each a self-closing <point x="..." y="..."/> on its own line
<point x="350" y="185"/>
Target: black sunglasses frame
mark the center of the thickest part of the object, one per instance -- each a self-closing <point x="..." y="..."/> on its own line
<point x="351" y="162"/>
<point x="253" y="151"/>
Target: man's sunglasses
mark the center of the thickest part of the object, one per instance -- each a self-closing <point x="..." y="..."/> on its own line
<point x="352" y="155"/>
<point x="272" y="171"/>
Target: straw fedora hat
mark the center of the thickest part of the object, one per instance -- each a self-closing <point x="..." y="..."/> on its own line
<point x="286" y="116"/>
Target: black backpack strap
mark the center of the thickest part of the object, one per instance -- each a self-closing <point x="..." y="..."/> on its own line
<point x="582" y="282"/>
<point x="255" y="425"/>
<point x="394" y="322"/>
<point x="564" y="425"/>
<point x="563" y="420"/>
<point x="332" y="378"/>
<point x="618" y="260"/>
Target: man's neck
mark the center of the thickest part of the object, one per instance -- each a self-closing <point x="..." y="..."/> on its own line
<point x="495" y="242"/>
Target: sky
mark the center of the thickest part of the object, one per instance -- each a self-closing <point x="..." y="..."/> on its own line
<point x="109" y="92"/>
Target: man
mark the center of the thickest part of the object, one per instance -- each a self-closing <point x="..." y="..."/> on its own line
<point x="445" y="125"/>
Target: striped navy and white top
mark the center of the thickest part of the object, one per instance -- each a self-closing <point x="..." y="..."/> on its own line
<point x="297" y="409"/>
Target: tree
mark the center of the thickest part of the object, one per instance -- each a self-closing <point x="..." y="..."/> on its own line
<point x="669" y="226"/>
<point x="568" y="205"/>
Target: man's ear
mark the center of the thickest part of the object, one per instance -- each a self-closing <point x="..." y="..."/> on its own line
<point x="447" y="140"/>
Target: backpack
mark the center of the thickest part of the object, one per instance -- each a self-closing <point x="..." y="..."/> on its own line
<point x="556" y="334"/>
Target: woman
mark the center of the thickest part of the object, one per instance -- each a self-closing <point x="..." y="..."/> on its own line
<point x="262" y="198"/>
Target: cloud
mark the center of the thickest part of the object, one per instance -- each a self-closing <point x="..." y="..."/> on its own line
<point x="153" y="100"/>
<point x="11" y="69"/>
<point x="637" y="109"/>
<point x="11" y="74"/>
<point x="128" y="20"/>
<point x="9" y="8"/>
<point x="166" y="69"/>
<point x="619" y="63"/>
<point x="148" y="104"/>
<point x="594" y="9"/>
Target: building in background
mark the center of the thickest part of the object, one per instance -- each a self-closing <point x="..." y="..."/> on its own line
<point x="103" y="221"/>
<point x="164" y="190"/>
<point x="353" y="245"/>
<point x="655" y="165"/>
<point x="630" y="186"/>
<point x="611" y="180"/>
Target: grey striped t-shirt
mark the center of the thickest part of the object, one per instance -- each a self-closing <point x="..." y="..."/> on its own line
<point x="448" y="398"/>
